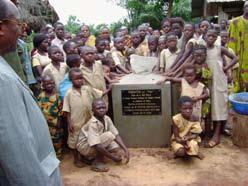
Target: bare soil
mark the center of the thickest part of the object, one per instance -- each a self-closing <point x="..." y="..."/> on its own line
<point x="224" y="165"/>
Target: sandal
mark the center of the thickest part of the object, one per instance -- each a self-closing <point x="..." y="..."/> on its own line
<point x="99" y="167"/>
<point x="211" y="144"/>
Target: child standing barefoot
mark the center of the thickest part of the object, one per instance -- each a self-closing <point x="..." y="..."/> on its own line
<point x="186" y="130"/>
<point x="51" y="107"/>
<point x="219" y="89"/>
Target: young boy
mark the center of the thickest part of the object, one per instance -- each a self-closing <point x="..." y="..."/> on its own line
<point x="153" y="46"/>
<point x="186" y="130"/>
<point x="140" y="50"/>
<point x="77" y="109"/>
<point x="72" y="61"/>
<point x="169" y="55"/>
<point x="119" y="56"/>
<point x="99" y="138"/>
<point x="57" y="68"/>
<point x="59" y="39"/>
<point x="70" y="47"/>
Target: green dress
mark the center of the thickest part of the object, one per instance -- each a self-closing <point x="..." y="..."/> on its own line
<point x="204" y="75"/>
<point x="239" y="43"/>
<point x="51" y="106"/>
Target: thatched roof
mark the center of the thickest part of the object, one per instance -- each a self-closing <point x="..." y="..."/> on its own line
<point x="37" y="13"/>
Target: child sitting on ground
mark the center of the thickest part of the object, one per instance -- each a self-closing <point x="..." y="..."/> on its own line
<point x="77" y="108"/>
<point x="51" y="107"/>
<point x="57" y="68"/>
<point x="99" y="138"/>
<point x="186" y="130"/>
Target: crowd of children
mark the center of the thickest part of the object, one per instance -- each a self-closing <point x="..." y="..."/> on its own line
<point x="75" y="75"/>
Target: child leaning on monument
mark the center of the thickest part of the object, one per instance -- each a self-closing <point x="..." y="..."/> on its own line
<point x="99" y="138"/>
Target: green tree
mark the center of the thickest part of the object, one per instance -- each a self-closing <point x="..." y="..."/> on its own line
<point x="73" y="24"/>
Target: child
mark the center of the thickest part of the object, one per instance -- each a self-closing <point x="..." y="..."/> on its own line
<point x="77" y="109"/>
<point x="166" y="26"/>
<point x="99" y="138"/>
<point x="153" y="46"/>
<point x="59" y="31"/>
<point x="51" y="107"/>
<point x="186" y="130"/>
<point x="72" y="61"/>
<point x="57" y="68"/>
<point x="190" y="86"/>
<point x="70" y="47"/>
<point x="140" y="50"/>
<point x="233" y="72"/>
<point x="219" y="88"/>
<point x="118" y="55"/>
<point x="169" y="55"/>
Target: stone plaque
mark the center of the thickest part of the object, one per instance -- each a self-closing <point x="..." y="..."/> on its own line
<point x="141" y="102"/>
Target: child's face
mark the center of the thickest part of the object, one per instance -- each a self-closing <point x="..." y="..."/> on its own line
<point x="200" y="56"/>
<point x="189" y="75"/>
<point x="77" y="79"/>
<point x="156" y="33"/>
<point x="211" y="37"/>
<point x="224" y="38"/>
<point x="67" y="36"/>
<point x="204" y="27"/>
<point x="85" y="31"/>
<point x="106" y="70"/>
<point x="136" y="39"/>
<point x="166" y="27"/>
<point x="186" y="110"/>
<point x="172" y="43"/>
<point x="56" y="55"/>
<point x="44" y="45"/>
<point x="152" y="45"/>
<point x="188" y="31"/>
<point x="119" y="44"/>
<point x="177" y="29"/>
<point x="99" y="109"/>
<point x="142" y="31"/>
<point x="72" y="49"/>
<point x="89" y="55"/>
<point x="101" y="46"/>
<point x="105" y="33"/>
<point x="60" y="31"/>
<point x="161" y="44"/>
<point x="48" y="85"/>
<point x="107" y="45"/>
<point x="76" y="64"/>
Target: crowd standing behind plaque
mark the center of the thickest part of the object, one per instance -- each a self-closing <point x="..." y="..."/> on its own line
<point x="177" y="53"/>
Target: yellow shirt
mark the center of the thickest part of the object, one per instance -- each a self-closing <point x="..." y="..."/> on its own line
<point x="58" y="75"/>
<point x="118" y="57"/>
<point x="167" y="58"/>
<point x="40" y="60"/>
<point x="91" y="41"/>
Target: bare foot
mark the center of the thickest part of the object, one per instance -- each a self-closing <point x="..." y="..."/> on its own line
<point x="200" y="156"/>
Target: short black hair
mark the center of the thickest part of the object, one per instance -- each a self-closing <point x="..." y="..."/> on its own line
<point x="71" y="59"/>
<point x="38" y="39"/>
<point x="67" y="44"/>
<point x="184" y="99"/>
<point x="73" y="70"/>
<point x="99" y="39"/>
<point x="97" y="100"/>
<point x="189" y="66"/>
<point x="152" y="38"/>
<point x="200" y="47"/>
<point x="57" y="23"/>
<point x="51" y="48"/>
<point x="166" y="20"/>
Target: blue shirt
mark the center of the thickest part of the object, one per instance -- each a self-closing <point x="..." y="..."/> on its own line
<point x="64" y="86"/>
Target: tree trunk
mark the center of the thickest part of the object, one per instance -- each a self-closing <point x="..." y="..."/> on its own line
<point x="170" y="8"/>
<point x="240" y="130"/>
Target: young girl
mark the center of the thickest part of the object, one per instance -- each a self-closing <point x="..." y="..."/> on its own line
<point x="190" y="86"/>
<point x="51" y="107"/>
<point x="219" y="88"/>
<point x="186" y="129"/>
<point x="57" y="68"/>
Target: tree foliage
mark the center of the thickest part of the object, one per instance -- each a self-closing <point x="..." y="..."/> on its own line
<point x="73" y="24"/>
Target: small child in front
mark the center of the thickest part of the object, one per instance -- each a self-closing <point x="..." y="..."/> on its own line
<point x="51" y="107"/>
<point x="186" y="129"/>
<point x="99" y="138"/>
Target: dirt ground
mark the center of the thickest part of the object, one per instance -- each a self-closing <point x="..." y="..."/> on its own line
<point x="224" y="165"/>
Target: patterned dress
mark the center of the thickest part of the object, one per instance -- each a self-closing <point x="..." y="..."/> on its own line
<point x="51" y="107"/>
